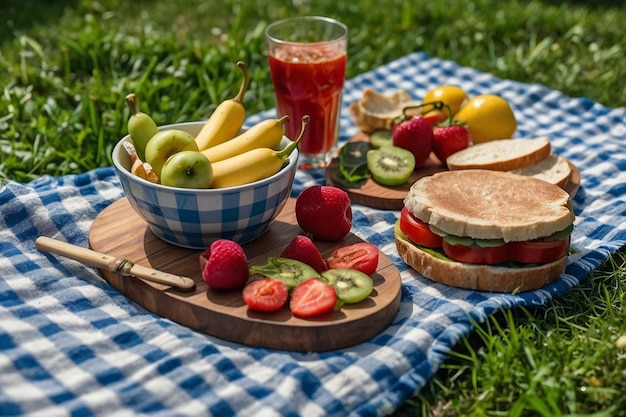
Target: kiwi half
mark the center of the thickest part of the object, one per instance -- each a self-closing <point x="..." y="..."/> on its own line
<point x="390" y="165"/>
<point x="289" y="271"/>
<point x="350" y="285"/>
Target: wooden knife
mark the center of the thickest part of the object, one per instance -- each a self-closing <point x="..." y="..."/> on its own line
<point x="120" y="265"/>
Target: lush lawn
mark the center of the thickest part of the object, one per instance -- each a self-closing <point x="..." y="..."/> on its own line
<point x="66" y="65"/>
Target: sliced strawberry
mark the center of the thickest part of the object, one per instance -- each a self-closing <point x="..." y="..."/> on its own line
<point x="312" y="298"/>
<point x="265" y="294"/>
<point x="304" y="250"/>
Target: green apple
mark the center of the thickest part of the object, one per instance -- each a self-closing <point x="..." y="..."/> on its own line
<point x="165" y="144"/>
<point x="187" y="169"/>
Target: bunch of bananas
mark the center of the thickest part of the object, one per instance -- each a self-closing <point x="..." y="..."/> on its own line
<point x="225" y="155"/>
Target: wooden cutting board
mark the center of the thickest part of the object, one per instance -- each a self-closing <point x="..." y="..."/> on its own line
<point x="119" y="231"/>
<point x="372" y="194"/>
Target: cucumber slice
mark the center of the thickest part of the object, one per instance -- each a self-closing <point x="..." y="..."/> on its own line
<point x="489" y="243"/>
<point x="468" y="241"/>
<point x="458" y="240"/>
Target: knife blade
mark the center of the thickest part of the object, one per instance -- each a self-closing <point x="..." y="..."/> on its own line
<point x="111" y="263"/>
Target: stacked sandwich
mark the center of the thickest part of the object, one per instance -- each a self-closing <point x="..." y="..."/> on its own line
<point x="487" y="229"/>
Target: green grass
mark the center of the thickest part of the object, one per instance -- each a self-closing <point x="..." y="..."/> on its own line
<point x="65" y="68"/>
<point x="559" y="359"/>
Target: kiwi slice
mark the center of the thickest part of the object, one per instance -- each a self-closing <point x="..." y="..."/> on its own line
<point x="351" y="285"/>
<point x="380" y="138"/>
<point x="289" y="271"/>
<point x="390" y="165"/>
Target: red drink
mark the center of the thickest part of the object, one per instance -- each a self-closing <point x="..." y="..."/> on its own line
<point x="307" y="59"/>
<point x="309" y="81"/>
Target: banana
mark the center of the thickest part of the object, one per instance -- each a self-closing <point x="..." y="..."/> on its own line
<point x="265" y="134"/>
<point x="253" y="165"/>
<point x="227" y="118"/>
<point x="141" y="127"/>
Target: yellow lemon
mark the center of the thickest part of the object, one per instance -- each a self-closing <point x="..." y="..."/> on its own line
<point x="487" y="117"/>
<point x="451" y="95"/>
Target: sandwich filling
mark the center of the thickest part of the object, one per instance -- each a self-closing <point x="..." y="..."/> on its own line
<point x="482" y="251"/>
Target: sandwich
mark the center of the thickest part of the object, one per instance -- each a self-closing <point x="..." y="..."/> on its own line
<point x="530" y="157"/>
<point x="485" y="230"/>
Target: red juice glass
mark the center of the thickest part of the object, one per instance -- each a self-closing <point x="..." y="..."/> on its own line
<point x="307" y="60"/>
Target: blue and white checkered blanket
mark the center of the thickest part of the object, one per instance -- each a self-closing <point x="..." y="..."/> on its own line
<point x="71" y="344"/>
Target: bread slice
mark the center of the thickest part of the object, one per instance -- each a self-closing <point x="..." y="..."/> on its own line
<point x="479" y="277"/>
<point x="501" y="155"/>
<point x="554" y="169"/>
<point x="485" y="204"/>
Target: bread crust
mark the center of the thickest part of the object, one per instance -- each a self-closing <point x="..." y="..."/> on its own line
<point x="501" y="155"/>
<point x="479" y="277"/>
<point x="485" y="204"/>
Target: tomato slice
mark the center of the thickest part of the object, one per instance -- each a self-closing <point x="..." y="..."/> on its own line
<point x="530" y="252"/>
<point x="362" y="256"/>
<point x="538" y="251"/>
<point x="474" y="254"/>
<point x="265" y="294"/>
<point x="418" y="231"/>
<point x="312" y="298"/>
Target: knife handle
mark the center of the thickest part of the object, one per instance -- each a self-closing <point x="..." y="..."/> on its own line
<point x="112" y="263"/>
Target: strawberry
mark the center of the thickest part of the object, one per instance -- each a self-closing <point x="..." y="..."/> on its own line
<point x="265" y="294"/>
<point x="449" y="139"/>
<point x="414" y="134"/>
<point x="312" y="298"/>
<point x="225" y="265"/>
<point x="324" y="212"/>
<point x="304" y="250"/>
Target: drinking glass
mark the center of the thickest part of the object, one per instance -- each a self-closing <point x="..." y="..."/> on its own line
<point x="307" y="60"/>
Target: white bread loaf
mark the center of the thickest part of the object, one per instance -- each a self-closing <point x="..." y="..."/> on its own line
<point x="501" y="155"/>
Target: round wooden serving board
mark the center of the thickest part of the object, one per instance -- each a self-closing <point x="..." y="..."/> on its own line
<point x="372" y="194"/>
<point x="120" y="232"/>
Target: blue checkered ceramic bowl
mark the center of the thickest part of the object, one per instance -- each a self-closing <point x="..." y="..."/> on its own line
<point x="195" y="218"/>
